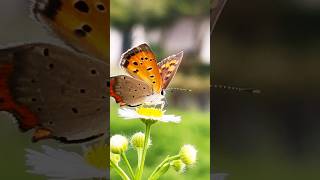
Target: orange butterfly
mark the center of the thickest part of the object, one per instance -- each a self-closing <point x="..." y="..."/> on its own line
<point x="148" y="78"/>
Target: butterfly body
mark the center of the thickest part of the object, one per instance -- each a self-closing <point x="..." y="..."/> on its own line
<point x="148" y="80"/>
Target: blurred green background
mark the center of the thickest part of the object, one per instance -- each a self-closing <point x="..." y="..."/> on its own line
<point x="168" y="27"/>
<point x="273" y="46"/>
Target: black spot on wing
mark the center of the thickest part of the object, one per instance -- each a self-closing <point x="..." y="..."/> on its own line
<point x="82" y="6"/>
<point x="100" y="7"/>
<point x="50" y="10"/>
<point x="46" y="52"/>
<point x="86" y="28"/>
<point x="93" y="72"/>
<point x="51" y="66"/>
<point x="75" y="110"/>
<point x="80" y="33"/>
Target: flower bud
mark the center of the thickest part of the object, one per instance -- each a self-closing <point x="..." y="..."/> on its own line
<point x="188" y="154"/>
<point x="178" y="165"/>
<point x="115" y="158"/>
<point x="137" y="140"/>
<point x="118" y="144"/>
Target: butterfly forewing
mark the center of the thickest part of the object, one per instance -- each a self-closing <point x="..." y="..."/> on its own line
<point x="82" y="24"/>
<point x="168" y="68"/>
<point x="140" y="62"/>
<point x="129" y="91"/>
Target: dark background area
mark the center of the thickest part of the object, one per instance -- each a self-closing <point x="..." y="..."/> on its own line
<point x="273" y="46"/>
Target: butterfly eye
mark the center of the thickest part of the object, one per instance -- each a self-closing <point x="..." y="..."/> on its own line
<point x="162" y="92"/>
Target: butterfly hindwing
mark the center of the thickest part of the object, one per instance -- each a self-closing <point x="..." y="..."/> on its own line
<point x="60" y="93"/>
<point x="140" y="62"/>
<point x="168" y="68"/>
<point x="129" y="91"/>
<point x="83" y="24"/>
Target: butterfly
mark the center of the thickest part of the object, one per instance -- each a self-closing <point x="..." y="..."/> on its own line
<point x="61" y="93"/>
<point x="148" y="79"/>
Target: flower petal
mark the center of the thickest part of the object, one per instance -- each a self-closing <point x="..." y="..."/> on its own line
<point x="127" y="113"/>
<point x="171" y="118"/>
<point x="60" y="164"/>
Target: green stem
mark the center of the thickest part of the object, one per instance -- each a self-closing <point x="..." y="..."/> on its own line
<point x="124" y="157"/>
<point x="164" y="168"/>
<point x="121" y="173"/>
<point x="139" y="152"/>
<point x="166" y="160"/>
<point x="144" y="150"/>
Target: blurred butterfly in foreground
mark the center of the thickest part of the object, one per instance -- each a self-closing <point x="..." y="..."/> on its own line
<point x="61" y="93"/>
<point x="148" y="80"/>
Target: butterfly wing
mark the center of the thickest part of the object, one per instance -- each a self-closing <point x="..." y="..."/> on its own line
<point x="83" y="24"/>
<point x="61" y="94"/>
<point x="168" y="68"/>
<point x="140" y="62"/>
<point x="129" y="91"/>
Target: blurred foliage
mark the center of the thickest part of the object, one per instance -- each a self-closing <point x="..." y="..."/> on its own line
<point x="168" y="138"/>
<point x="126" y="13"/>
<point x="273" y="46"/>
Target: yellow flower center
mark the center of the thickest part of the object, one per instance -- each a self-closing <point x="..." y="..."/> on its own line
<point x="98" y="156"/>
<point x="150" y="112"/>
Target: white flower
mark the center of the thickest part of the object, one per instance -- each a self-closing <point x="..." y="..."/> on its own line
<point x="188" y="154"/>
<point x="118" y="144"/>
<point x="137" y="140"/>
<point x="115" y="158"/>
<point x="62" y="165"/>
<point x="178" y="166"/>
<point x="147" y="113"/>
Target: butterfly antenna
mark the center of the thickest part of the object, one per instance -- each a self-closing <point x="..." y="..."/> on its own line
<point x="237" y="89"/>
<point x="179" y="89"/>
<point x="165" y="102"/>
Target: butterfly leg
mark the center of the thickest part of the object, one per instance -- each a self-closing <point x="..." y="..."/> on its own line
<point x="163" y="103"/>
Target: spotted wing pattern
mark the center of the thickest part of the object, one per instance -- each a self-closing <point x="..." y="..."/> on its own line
<point x="129" y="91"/>
<point x="168" y="68"/>
<point x="140" y="62"/>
